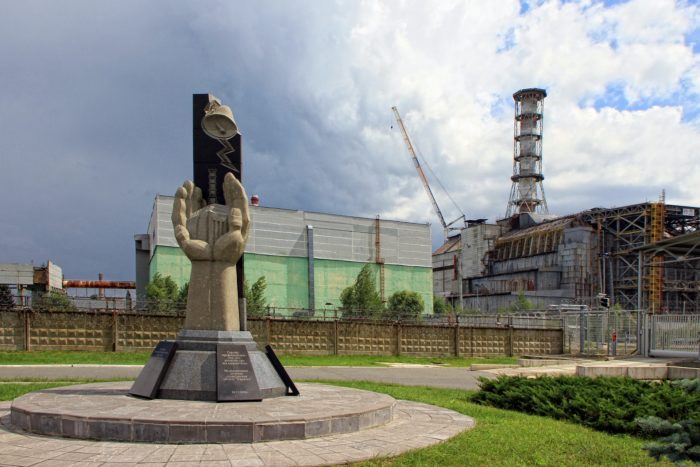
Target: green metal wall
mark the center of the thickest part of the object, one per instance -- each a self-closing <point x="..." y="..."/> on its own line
<point x="170" y="261"/>
<point x="287" y="277"/>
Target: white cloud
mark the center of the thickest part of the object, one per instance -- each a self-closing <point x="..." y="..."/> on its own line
<point x="312" y="85"/>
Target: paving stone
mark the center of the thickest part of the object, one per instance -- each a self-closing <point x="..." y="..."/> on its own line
<point x="10" y="459"/>
<point x="105" y="411"/>
<point x="409" y="430"/>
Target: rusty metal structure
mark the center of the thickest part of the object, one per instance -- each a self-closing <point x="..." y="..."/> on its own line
<point x="640" y="256"/>
<point x="657" y="285"/>
<point x="100" y="284"/>
<point x="527" y="192"/>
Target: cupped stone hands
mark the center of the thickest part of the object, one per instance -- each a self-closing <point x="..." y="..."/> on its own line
<point x="214" y="232"/>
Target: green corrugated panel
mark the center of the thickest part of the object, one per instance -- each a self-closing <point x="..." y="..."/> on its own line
<point x="334" y="276"/>
<point x="170" y="261"/>
<point x="287" y="279"/>
<point x="416" y="279"/>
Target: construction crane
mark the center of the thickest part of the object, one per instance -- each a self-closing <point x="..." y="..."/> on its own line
<point x="411" y="151"/>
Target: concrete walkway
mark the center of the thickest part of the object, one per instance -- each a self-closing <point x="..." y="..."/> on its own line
<point x="639" y="367"/>
<point x="456" y="378"/>
<point x="414" y="426"/>
<point x="410" y="375"/>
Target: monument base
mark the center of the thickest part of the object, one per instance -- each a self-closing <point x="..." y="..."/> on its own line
<point x="192" y="373"/>
<point x="105" y="411"/>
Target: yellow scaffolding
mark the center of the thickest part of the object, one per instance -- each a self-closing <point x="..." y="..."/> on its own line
<point x="656" y="273"/>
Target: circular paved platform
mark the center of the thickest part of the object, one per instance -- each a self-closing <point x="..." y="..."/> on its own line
<point x="414" y="426"/>
<point x="105" y="411"/>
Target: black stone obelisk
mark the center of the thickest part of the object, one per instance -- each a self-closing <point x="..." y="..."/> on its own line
<point x="209" y="169"/>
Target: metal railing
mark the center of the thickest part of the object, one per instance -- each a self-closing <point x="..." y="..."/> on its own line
<point x="600" y="332"/>
<point x="532" y="320"/>
<point x="673" y="335"/>
<point x="64" y="303"/>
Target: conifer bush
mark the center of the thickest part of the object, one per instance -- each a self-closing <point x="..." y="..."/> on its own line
<point x="612" y="405"/>
<point x="679" y="442"/>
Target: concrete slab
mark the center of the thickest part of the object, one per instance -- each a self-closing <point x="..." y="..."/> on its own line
<point x="105" y="411"/>
<point x="596" y="371"/>
<point x="677" y="372"/>
<point x="647" y="372"/>
<point x="414" y="426"/>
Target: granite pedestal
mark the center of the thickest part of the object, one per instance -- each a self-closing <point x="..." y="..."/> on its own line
<point x="192" y="372"/>
<point x="105" y="411"/>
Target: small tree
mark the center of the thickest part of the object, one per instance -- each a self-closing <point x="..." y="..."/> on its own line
<point x="679" y="441"/>
<point x="255" y="297"/>
<point x="405" y="305"/>
<point x="162" y="293"/>
<point x="522" y="303"/>
<point x="362" y="299"/>
<point x="6" y="299"/>
<point x="54" y="301"/>
<point x="182" y="295"/>
<point x="439" y="306"/>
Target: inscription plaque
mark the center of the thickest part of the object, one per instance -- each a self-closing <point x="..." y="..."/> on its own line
<point x="235" y="378"/>
<point x="148" y="382"/>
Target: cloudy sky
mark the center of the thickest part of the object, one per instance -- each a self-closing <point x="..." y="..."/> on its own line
<point x="95" y="109"/>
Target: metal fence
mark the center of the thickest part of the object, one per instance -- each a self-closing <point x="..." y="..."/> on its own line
<point x="120" y="305"/>
<point x="600" y="332"/>
<point x="673" y="335"/>
<point x="65" y="303"/>
<point x="585" y="332"/>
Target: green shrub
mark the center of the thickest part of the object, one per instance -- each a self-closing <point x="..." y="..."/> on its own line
<point x="680" y="441"/>
<point x="6" y="298"/>
<point x="361" y="299"/>
<point x="605" y="404"/>
<point x="439" y="306"/>
<point x="53" y="301"/>
<point x="677" y="441"/>
<point x="255" y="297"/>
<point x="162" y="293"/>
<point x="406" y="305"/>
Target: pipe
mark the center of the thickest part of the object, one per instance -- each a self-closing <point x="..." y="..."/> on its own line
<point x="80" y="284"/>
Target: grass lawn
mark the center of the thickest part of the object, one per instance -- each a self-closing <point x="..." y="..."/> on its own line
<point x="508" y="438"/>
<point x="10" y="389"/>
<point x="500" y="437"/>
<point x="57" y="357"/>
<point x="139" y="358"/>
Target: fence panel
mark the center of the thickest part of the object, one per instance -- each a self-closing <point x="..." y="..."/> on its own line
<point x="674" y="335"/>
<point x="600" y="332"/>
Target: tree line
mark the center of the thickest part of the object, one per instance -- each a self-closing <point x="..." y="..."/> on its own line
<point x="359" y="300"/>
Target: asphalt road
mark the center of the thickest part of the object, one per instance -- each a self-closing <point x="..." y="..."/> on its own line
<point x="458" y="378"/>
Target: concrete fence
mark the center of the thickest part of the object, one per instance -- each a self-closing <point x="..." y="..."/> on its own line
<point x="25" y="329"/>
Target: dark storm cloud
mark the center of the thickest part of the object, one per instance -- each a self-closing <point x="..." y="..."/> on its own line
<point x="96" y="120"/>
<point x="94" y="123"/>
<point x="95" y="114"/>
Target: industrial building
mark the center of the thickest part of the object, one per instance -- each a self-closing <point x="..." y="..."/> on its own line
<point x="307" y="258"/>
<point x="641" y="256"/>
<point x="27" y="280"/>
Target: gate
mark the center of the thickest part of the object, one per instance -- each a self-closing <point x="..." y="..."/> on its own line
<point x="674" y="335"/>
<point x="600" y="332"/>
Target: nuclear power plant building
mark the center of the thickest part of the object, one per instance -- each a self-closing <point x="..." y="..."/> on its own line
<point x="642" y="256"/>
<point x="307" y="258"/>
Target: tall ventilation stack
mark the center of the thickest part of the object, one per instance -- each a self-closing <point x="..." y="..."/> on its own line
<point x="527" y="192"/>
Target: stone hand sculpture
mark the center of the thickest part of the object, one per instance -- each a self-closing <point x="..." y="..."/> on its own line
<point x="213" y="237"/>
